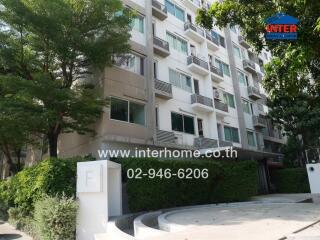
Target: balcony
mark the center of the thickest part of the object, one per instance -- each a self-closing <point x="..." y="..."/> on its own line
<point x="165" y="137"/>
<point x="201" y="103"/>
<point x="216" y="74"/>
<point x="194" y="5"/>
<point x="194" y="32"/>
<point x="223" y="143"/>
<point x="163" y="89"/>
<point x="249" y="66"/>
<point x="254" y="93"/>
<point x="243" y="42"/>
<point x="205" y="143"/>
<point x="259" y="122"/>
<point x="159" y="10"/>
<point x="161" y="47"/>
<point x="213" y="43"/>
<point x="259" y="77"/>
<point x="198" y="65"/>
<point x="221" y="108"/>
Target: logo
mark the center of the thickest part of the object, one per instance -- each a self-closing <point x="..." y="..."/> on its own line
<point x="281" y="27"/>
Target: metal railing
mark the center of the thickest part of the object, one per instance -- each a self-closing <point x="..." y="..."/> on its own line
<point x="221" y="105"/>
<point x="193" y="27"/>
<point x="193" y="59"/>
<point x="195" y="98"/>
<point x="216" y="70"/>
<point x="253" y="91"/>
<point x="248" y="63"/>
<point x="212" y="39"/>
<point x="223" y="143"/>
<point x="163" y="86"/>
<point x="161" y="43"/>
<point x="159" y="6"/>
<point x="257" y="120"/>
<point x="165" y="136"/>
<point x="203" y="143"/>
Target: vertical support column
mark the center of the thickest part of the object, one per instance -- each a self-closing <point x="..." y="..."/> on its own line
<point x="151" y="122"/>
<point x="236" y="87"/>
<point x="99" y="196"/>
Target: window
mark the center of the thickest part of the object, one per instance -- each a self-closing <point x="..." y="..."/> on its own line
<point x="177" y="43"/>
<point x="119" y="109"/>
<point x="126" y="111"/>
<point x="242" y="78"/>
<point x="246" y="106"/>
<point x="180" y="80"/>
<point x="229" y="99"/>
<point x="175" y="10"/>
<point x="137" y="115"/>
<point x="130" y="62"/>
<point x="251" y="139"/>
<point x="182" y="123"/>
<point x="215" y="36"/>
<point x="237" y="52"/>
<point x="223" y="66"/>
<point x="138" y="24"/>
<point x="231" y="134"/>
<point x="222" y="41"/>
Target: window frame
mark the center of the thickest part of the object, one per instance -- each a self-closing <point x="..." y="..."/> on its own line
<point x="253" y="138"/>
<point x="233" y="130"/>
<point x="128" y="111"/>
<point x="183" y="123"/>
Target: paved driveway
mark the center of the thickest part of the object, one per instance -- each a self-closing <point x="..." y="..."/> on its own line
<point x="267" y="221"/>
<point x="7" y="232"/>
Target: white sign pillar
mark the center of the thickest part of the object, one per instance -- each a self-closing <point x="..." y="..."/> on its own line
<point x="313" y="170"/>
<point x="99" y="195"/>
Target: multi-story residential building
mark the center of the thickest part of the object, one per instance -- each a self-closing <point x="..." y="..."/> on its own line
<point x="182" y="87"/>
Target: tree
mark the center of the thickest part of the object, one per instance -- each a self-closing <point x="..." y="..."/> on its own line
<point x="48" y="49"/>
<point x="292" y="77"/>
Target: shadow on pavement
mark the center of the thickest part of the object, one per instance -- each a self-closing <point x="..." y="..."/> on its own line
<point x="9" y="236"/>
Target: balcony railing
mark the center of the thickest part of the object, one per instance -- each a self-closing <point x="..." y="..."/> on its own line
<point x="163" y="89"/>
<point x="165" y="137"/>
<point x="212" y="39"/>
<point x="193" y="27"/>
<point x="254" y="92"/>
<point x="161" y="43"/>
<point x="159" y="6"/>
<point x="249" y="63"/>
<point x="223" y="143"/>
<point x="203" y="143"/>
<point x="195" y="98"/>
<point x="193" y="59"/>
<point x="216" y="70"/>
<point x="221" y="106"/>
<point x="243" y="42"/>
<point x="159" y="10"/>
<point x="259" y="121"/>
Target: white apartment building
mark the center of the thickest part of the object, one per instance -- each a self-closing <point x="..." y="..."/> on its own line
<point x="183" y="87"/>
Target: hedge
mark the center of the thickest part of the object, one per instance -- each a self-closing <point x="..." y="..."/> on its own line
<point x="227" y="182"/>
<point x="290" y="180"/>
<point x="49" y="177"/>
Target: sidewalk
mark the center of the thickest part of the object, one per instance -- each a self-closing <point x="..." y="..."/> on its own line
<point x="7" y="232"/>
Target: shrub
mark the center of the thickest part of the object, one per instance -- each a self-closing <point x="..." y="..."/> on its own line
<point x="228" y="181"/>
<point x="290" y="180"/>
<point x="55" y="218"/>
<point x="49" y="177"/>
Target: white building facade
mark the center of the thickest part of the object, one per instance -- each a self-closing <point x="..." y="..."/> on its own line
<point x="183" y="87"/>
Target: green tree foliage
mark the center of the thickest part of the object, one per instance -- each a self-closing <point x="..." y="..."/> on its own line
<point x="47" y="51"/>
<point x="292" y="77"/>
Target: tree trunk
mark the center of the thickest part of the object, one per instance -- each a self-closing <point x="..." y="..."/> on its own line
<point x="9" y="160"/>
<point x="53" y="144"/>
